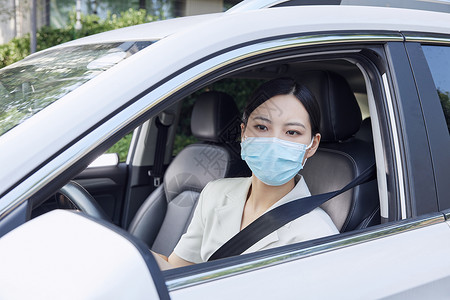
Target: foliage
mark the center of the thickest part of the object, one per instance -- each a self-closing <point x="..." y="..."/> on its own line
<point x="15" y="50"/>
<point x="121" y="147"/>
<point x="92" y="24"/>
<point x="47" y="37"/>
<point x="60" y="9"/>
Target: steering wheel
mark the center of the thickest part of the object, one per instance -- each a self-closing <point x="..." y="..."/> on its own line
<point x="83" y="201"/>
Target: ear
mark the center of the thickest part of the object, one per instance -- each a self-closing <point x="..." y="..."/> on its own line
<point x="242" y="131"/>
<point x="310" y="152"/>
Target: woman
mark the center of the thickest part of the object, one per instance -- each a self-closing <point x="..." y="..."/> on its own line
<point x="280" y="131"/>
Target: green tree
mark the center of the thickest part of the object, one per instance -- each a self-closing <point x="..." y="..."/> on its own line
<point x="60" y="9"/>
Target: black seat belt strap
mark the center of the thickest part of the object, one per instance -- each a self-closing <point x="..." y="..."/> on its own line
<point x="281" y="215"/>
<point x="160" y="151"/>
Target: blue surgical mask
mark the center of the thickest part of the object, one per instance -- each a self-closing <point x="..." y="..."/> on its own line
<point x="272" y="160"/>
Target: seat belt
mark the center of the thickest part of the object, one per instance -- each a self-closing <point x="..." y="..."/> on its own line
<point x="281" y="215"/>
<point x="163" y="123"/>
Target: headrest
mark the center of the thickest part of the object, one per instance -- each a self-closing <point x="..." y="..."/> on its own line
<point x="215" y="118"/>
<point x="194" y="167"/>
<point x="340" y="113"/>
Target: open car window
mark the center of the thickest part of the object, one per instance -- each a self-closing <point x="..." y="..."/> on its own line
<point x="362" y="89"/>
<point x="239" y="86"/>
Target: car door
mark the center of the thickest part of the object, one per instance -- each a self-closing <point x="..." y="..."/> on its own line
<point x="378" y="260"/>
<point x="405" y="256"/>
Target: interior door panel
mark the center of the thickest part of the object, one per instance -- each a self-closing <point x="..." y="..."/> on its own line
<point x="107" y="185"/>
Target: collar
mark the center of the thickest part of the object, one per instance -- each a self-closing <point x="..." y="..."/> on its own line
<point x="300" y="190"/>
<point x="230" y="214"/>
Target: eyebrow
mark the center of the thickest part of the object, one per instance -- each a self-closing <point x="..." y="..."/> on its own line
<point x="295" y="124"/>
<point x="286" y="124"/>
<point x="262" y="118"/>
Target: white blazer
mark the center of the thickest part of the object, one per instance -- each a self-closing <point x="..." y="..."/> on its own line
<point x="218" y="216"/>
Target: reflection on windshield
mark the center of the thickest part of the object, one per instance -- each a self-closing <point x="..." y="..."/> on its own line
<point x="30" y="85"/>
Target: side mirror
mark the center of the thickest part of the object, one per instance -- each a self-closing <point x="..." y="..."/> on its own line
<point x="105" y="160"/>
<point x="64" y="254"/>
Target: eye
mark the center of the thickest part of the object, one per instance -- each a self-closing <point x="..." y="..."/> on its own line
<point x="261" y="127"/>
<point x="292" y="132"/>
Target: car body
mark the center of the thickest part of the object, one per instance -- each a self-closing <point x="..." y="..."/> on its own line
<point x="393" y="58"/>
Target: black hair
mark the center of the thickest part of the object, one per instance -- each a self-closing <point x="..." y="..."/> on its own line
<point x="285" y="86"/>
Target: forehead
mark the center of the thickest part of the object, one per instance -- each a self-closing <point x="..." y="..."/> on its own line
<point x="282" y="107"/>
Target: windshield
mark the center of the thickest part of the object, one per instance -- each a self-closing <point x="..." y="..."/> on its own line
<point x="30" y="85"/>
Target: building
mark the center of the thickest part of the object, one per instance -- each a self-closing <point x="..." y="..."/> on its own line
<point x="15" y="17"/>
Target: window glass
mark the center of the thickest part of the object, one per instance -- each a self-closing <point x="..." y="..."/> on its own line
<point x="33" y="83"/>
<point x="438" y="58"/>
<point x="122" y="147"/>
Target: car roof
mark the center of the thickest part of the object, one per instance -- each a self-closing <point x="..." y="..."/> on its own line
<point x="430" y="5"/>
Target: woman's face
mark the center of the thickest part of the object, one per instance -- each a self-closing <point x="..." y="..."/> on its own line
<point x="283" y="117"/>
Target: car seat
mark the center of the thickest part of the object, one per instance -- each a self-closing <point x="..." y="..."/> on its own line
<point x="166" y="213"/>
<point x="341" y="156"/>
<point x="365" y="132"/>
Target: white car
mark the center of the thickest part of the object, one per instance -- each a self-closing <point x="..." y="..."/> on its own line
<point x="381" y="77"/>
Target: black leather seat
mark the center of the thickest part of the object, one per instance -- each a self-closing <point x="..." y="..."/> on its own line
<point x="166" y="213"/>
<point x="365" y="132"/>
<point x="341" y="156"/>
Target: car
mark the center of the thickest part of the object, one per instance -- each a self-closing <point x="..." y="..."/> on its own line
<point x="78" y="223"/>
